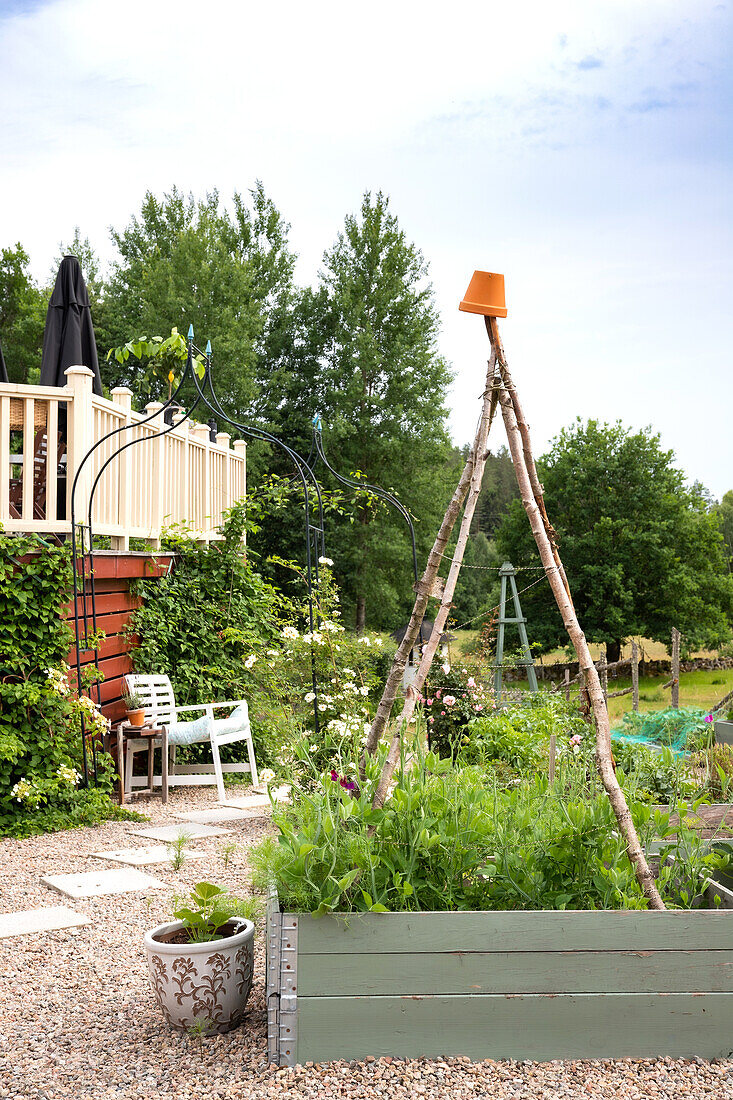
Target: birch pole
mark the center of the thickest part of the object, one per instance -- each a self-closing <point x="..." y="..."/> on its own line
<point x="519" y="446"/>
<point x="446" y="600"/>
<point x="427" y="586"/>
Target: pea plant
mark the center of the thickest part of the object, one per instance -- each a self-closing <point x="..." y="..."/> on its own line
<point x="449" y="838"/>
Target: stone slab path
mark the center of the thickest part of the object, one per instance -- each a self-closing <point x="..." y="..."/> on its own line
<point x="171" y="833"/>
<point x="93" y="884"/>
<point x="28" y="922"/>
<point x="142" y="857"/>
<point x="207" y="817"/>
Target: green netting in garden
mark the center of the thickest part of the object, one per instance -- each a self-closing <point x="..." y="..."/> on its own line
<point x="681" y="728"/>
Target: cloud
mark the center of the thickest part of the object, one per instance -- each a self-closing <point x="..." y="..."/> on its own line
<point x="583" y="149"/>
<point x="652" y="103"/>
<point x="589" y="62"/>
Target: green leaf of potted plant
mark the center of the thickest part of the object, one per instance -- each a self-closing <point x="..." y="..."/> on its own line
<point x="201" y="964"/>
<point x="135" y="710"/>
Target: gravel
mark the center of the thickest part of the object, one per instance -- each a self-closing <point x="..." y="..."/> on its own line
<point x="78" y="1019"/>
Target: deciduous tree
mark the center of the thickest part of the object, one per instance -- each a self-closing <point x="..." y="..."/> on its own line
<point x="642" y="550"/>
<point x="380" y="387"/>
<point x="22" y="314"/>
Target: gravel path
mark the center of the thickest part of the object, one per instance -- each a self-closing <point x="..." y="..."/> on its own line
<point x="78" y="1019"/>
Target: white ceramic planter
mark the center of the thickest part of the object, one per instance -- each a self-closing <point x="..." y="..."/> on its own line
<point x="202" y="985"/>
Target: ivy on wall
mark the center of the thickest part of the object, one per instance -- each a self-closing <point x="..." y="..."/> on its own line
<point x="40" y="718"/>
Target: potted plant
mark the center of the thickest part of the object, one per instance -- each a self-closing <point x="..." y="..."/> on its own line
<point x="135" y="711"/>
<point x="201" y="964"/>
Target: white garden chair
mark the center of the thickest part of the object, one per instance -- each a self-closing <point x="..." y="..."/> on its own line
<point x="158" y="700"/>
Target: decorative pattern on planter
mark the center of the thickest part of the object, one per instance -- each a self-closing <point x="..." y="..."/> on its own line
<point x="197" y="986"/>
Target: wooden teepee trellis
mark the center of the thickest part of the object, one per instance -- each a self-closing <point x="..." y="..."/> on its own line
<point x="485" y="296"/>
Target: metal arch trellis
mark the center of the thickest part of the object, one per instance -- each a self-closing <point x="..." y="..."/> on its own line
<point x="79" y="565"/>
<point x="376" y="490"/>
<point x="75" y="560"/>
<point x="304" y="473"/>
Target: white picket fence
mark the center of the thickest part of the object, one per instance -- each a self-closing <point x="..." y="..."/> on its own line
<point x="179" y="479"/>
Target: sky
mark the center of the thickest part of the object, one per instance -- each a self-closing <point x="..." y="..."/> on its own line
<point x="582" y="149"/>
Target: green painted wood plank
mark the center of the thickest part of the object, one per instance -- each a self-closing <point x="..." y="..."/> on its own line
<point x="379" y="973"/>
<point x="612" y="1025"/>
<point x="628" y="930"/>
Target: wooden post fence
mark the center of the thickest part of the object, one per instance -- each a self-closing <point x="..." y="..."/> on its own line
<point x="675" y="667"/>
<point x="603" y="674"/>
<point x="634" y="675"/>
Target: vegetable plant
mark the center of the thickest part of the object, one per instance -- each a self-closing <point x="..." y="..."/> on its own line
<point x="206" y="915"/>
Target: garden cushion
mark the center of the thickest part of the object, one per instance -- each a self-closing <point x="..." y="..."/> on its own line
<point x="189" y="733"/>
<point x="237" y="721"/>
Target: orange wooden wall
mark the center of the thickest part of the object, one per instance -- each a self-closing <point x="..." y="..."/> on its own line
<point x="114" y="603"/>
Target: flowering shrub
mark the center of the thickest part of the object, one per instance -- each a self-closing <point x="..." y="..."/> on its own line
<point x="346" y="668"/>
<point x="454" y="696"/>
<point x="262" y="649"/>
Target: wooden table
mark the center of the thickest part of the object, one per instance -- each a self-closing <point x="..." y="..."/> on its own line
<point x="124" y="732"/>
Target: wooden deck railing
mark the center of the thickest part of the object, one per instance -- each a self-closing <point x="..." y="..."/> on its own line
<point x="181" y="478"/>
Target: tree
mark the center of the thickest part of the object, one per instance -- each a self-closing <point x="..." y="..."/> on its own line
<point x="724" y="512"/>
<point x="229" y="273"/>
<point x="478" y="588"/>
<point x="22" y="314"/>
<point x="643" y="552"/>
<point x="379" y="384"/>
<point x="499" y="489"/>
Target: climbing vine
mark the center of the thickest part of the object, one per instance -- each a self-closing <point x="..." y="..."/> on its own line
<point x="40" y="717"/>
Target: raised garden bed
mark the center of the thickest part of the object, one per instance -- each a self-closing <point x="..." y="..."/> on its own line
<point x="526" y="985"/>
<point x="724" y="732"/>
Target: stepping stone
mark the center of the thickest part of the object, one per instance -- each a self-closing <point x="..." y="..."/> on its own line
<point x="246" y="802"/>
<point x="92" y="884"/>
<point x="192" y="831"/>
<point x="257" y="801"/>
<point x="139" y="857"/>
<point x="202" y="817"/>
<point x="29" y="921"/>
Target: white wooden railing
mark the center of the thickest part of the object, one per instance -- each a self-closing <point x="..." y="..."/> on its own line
<point x="179" y="479"/>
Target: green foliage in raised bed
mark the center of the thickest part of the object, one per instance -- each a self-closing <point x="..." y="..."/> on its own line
<point x="520" y="734"/>
<point x="654" y="775"/>
<point x="716" y="763"/>
<point x="448" y="838"/>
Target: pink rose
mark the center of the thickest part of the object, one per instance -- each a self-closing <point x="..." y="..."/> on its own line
<point x="449" y="700"/>
<point x="470" y="682"/>
<point x="430" y="702"/>
<point x="442" y="713"/>
<point x="479" y="706"/>
<point x="431" y="719"/>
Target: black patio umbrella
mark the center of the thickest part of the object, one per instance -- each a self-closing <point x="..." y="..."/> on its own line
<point x="68" y="338"/>
<point x="3" y="368"/>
